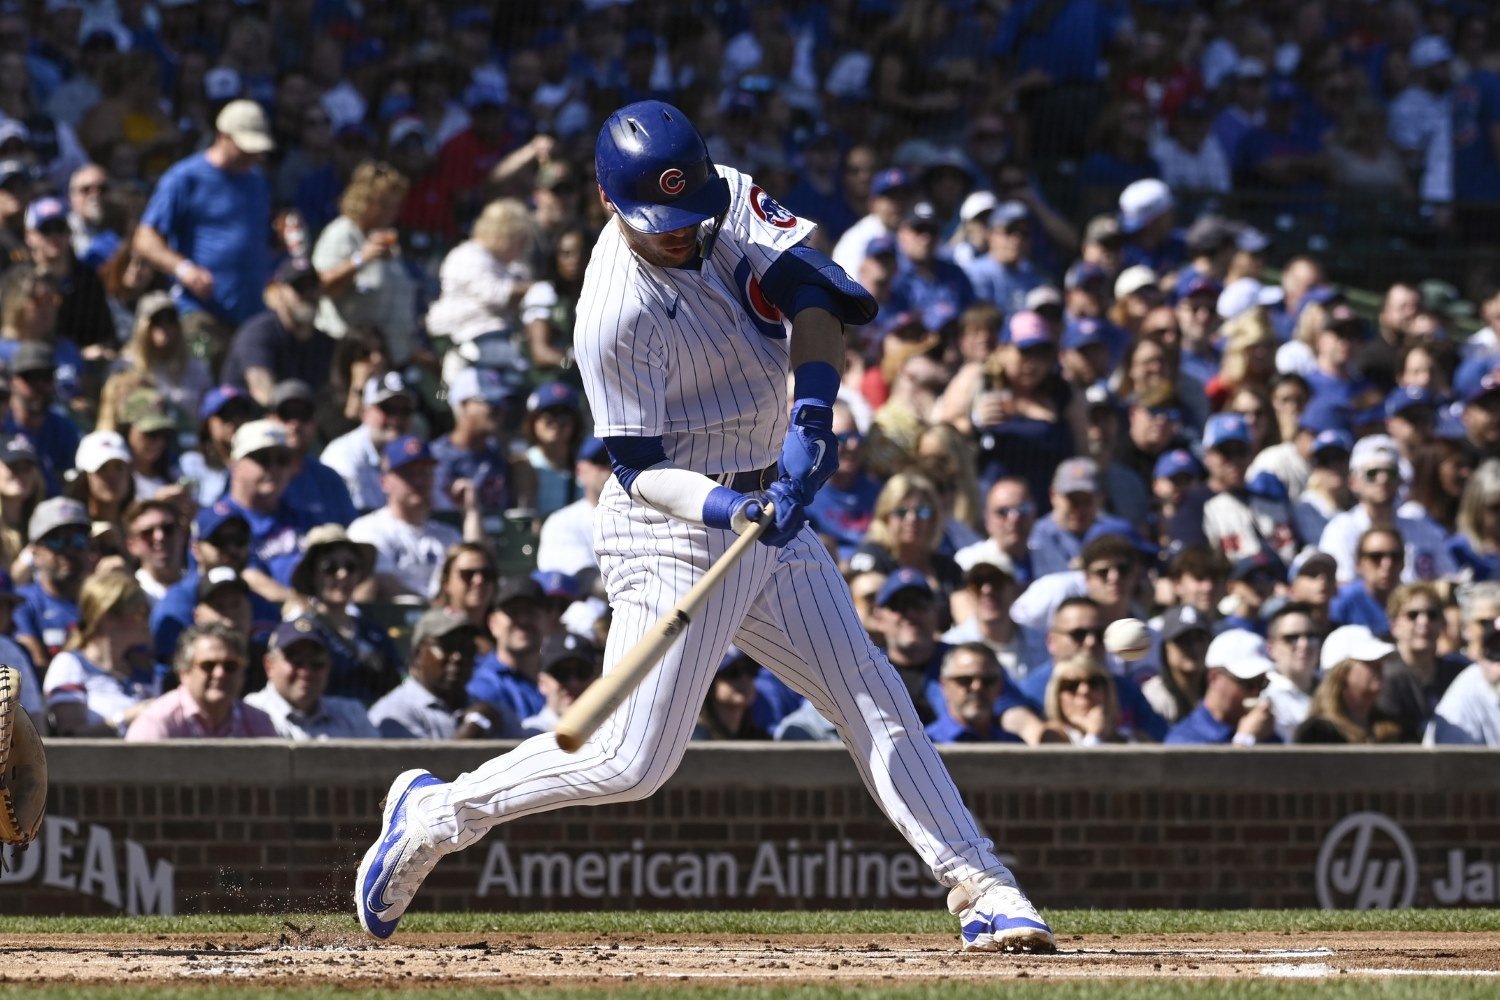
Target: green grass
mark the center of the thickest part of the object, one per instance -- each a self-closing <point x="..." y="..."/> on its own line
<point x="1222" y="989"/>
<point x="934" y="921"/>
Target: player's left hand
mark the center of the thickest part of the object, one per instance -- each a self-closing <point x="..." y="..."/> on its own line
<point x="789" y="514"/>
<point x="811" y="451"/>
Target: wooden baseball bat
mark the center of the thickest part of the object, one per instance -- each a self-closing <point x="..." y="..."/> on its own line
<point x="584" y="717"/>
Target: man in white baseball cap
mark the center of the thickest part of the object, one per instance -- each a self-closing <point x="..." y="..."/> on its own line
<point x="1376" y="481"/>
<point x="259" y="472"/>
<point x="388" y="409"/>
<point x="1233" y="709"/>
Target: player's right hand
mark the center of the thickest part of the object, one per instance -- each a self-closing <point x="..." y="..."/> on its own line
<point x="785" y="495"/>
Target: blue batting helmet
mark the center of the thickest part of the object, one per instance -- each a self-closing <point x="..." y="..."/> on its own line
<point x="654" y="166"/>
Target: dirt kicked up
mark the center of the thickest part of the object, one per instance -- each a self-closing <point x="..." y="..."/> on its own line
<point x="567" y="961"/>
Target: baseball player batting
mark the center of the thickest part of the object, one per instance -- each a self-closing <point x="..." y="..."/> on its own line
<point x="682" y="341"/>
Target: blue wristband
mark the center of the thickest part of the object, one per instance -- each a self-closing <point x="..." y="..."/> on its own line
<point x="719" y="505"/>
<point x="815" y="382"/>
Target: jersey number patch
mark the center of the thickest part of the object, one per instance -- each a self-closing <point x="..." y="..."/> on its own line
<point x="761" y="310"/>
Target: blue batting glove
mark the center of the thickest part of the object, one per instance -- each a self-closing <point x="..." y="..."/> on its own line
<point x="790" y="514"/>
<point x="810" y="453"/>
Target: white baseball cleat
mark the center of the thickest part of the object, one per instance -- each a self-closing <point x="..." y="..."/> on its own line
<point x="401" y="857"/>
<point x="994" y="915"/>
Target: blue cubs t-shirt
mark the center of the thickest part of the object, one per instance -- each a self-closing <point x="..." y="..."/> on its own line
<point x="45" y="618"/>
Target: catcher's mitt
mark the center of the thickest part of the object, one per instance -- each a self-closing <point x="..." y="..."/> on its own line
<point x="23" y="766"/>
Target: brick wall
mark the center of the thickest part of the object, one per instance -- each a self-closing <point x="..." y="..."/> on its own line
<point x="268" y="827"/>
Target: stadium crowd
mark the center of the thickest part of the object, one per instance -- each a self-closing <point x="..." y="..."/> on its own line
<point x="293" y="446"/>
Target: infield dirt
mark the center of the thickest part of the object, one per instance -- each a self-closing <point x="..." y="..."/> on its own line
<point x="571" y="960"/>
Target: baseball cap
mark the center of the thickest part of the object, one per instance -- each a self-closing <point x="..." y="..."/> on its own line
<point x="734" y="655"/>
<point x="300" y="629"/>
<point x="1311" y="560"/>
<point x="552" y="394"/>
<point x="1487" y="384"/>
<point x="1208" y="235"/>
<point x="1133" y="279"/>
<point x="210" y="519"/>
<point x="984" y="571"/>
<point x="12" y="129"/>
<point x="405" y="128"/>
<point x="1076" y="475"/>
<point x="1143" y="202"/>
<point x="218" y="579"/>
<point x="406" y="450"/>
<point x="1182" y="620"/>
<point x="146" y="410"/>
<point x="1244" y="294"/>
<point x="438" y="624"/>
<point x="16" y="449"/>
<point x="593" y="450"/>
<point x="1082" y="332"/>
<point x="14" y="170"/>
<point x="33" y="356"/>
<point x="476" y="383"/>
<point x="1429" y="51"/>
<point x="1194" y="283"/>
<point x="1325" y="414"/>
<point x="1333" y="440"/>
<point x="383" y="388"/>
<point x="888" y="180"/>
<point x="297" y="272"/>
<point x="245" y="124"/>
<point x="1223" y="428"/>
<point x="1027" y="329"/>
<point x="1083" y="274"/>
<point x="976" y="204"/>
<point x="1241" y="652"/>
<point x="1265" y="561"/>
<point x="58" y="512"/>
<point x="900" y="582"/>
<point x="1103" y="229"/>
<point x="153" y="304"/>
<point x="881" y="246"/>
<point x="1176" y="462"/>
<point x="1008" y="213"/>
<point x="291" y="390"/>
<point x="1100" y="395"/>
<point x="99" y="448"/>
<point x="482" y="94"/>
<point x="1252" y="241"/>
<point x="557" y="584"/>
<point x="922" y="216"/>
<point x="1043" y="297"/>
<point x="45" y="210"/>
<point x="1352" y="642"/>
<point x="1405" y="397"/>
<point x="567" y="648"/>
<point x="517" y="588"/>
<point x="217" y="398"/>
<point x="1378" y="451"/>
<point x="256" y="435"/>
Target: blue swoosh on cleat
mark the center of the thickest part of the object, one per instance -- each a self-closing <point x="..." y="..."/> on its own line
<point x="378" y="877"/>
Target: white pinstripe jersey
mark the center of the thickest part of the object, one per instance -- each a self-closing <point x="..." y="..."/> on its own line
<point x="697" y="356"/>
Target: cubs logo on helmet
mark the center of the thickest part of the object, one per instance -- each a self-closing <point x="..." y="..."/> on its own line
<point x="769" y="210"/>
<point x="672" y="181"/>
<point x="761" y="310"/>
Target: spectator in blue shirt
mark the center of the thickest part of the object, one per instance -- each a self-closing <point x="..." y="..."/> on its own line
<point x="220" y="538"/>
<point x="1005" y="272"/>
<point x="1148" y="218"/>
<point x="507" y="677"/>
<point x="1057" y="539"/>
<point x="1234" y="709"/>
<point x="1380" y="559"/>
<point x="937" y="289"/>
<point x="472" y="457"/>
<point x="260" y="469"/>
<point x="978" y="701"/>
<point x="1335" y="378"/>
<point x="206" y="226"/>
<point x="33" y="390"/>
<point x="314" y="488"/>
<point x="59" y="533"/>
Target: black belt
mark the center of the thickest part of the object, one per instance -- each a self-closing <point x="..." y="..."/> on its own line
<point x="747" y="482"/>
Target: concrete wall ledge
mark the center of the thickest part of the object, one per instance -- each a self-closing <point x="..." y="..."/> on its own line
<point x="276" y="764"/>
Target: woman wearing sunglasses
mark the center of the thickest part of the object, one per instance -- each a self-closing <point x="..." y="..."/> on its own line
<point x="906" y="532"/>
<point x="1081" y="700"/>
<point x="468" y="585"/>
<point x="1344" y="706"/>
<point x="106" y="676"/>
<point x="333" y="574"/>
